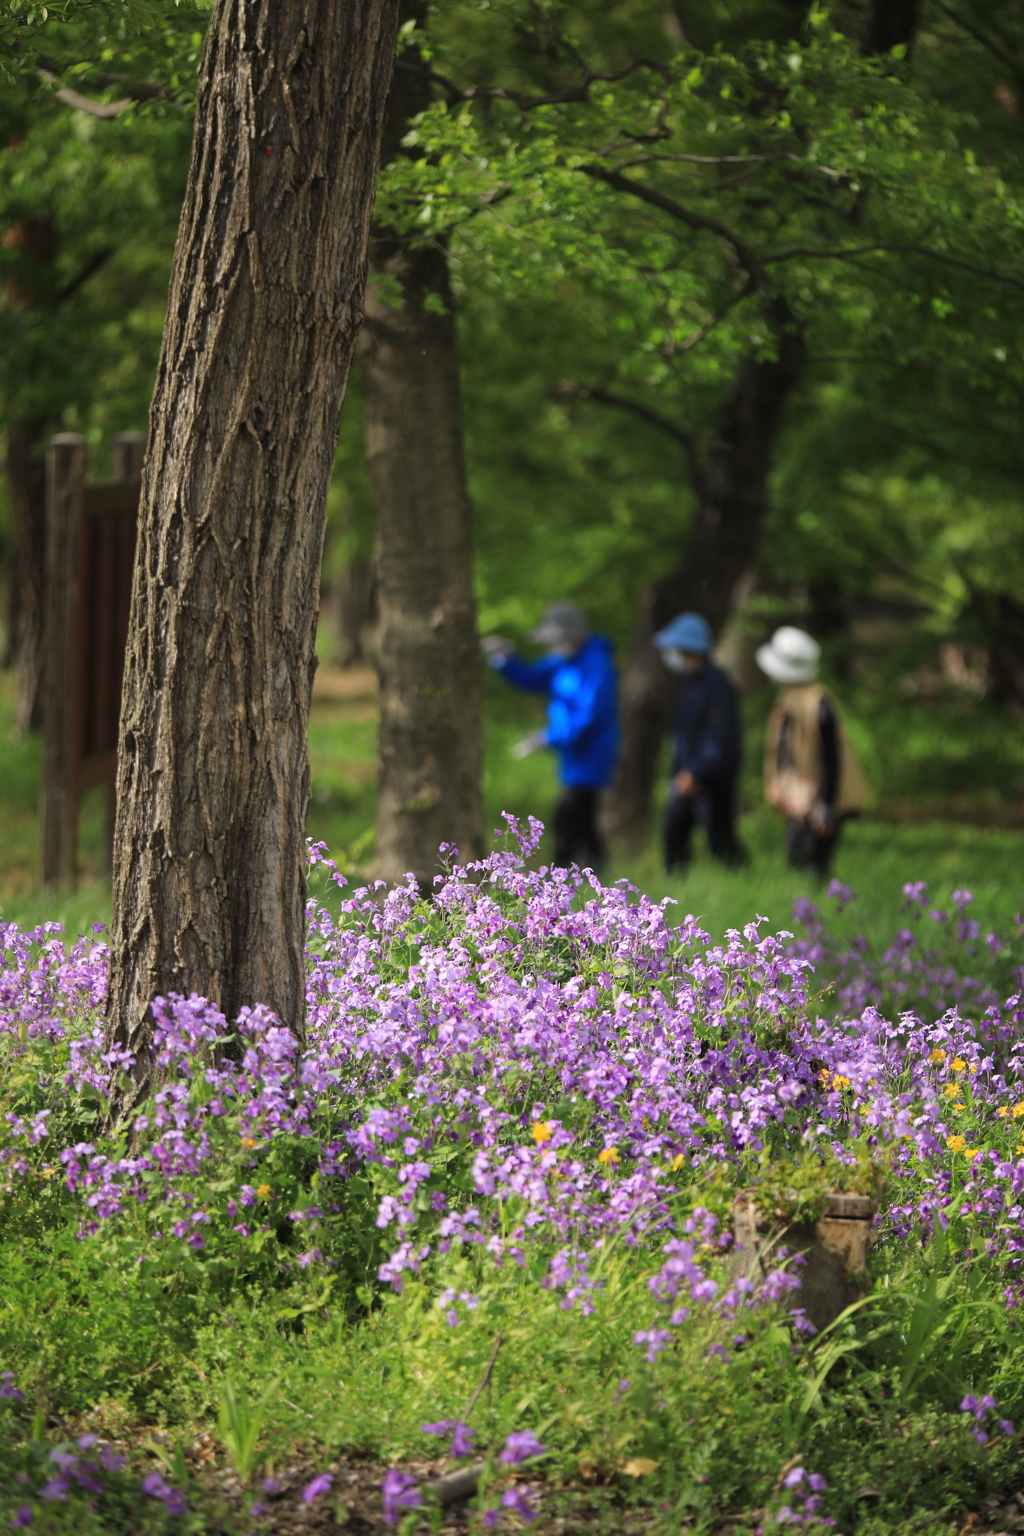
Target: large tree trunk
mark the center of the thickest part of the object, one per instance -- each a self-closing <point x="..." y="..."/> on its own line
<point x="731" y="492"/>
<point x="265" y="302"/>
<point x="429" y="754"/>
<point x="26" y="487"/>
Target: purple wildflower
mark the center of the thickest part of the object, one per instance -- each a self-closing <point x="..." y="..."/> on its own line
<point x="399" y="1491"/>
<point x="320" y="1484"/>
<point x="519" y="1446"/>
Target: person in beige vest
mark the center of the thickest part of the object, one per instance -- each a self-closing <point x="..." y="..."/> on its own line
<point x="811" y="774"/>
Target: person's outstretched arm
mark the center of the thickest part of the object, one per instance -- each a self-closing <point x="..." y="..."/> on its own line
<point x="531" y="676"/>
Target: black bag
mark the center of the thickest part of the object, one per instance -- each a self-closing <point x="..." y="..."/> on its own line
<point x="803" y="844"/>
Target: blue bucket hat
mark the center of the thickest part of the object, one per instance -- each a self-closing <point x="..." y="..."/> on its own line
<point x="686" y="632"/>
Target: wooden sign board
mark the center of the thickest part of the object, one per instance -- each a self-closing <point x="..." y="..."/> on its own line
<point x="90" y="560"/>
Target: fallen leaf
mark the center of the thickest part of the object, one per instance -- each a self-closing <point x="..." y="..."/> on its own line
<point x="639" y="1466"/>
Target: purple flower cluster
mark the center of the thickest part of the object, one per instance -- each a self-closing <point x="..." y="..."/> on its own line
<point x="802" y="1491"/>
<point x="88" y="1468"/>
<point x="531" y="1061"/>
<point x="981" y="1410"/>
<point x="462" y="1436"/>
<point x="399" y="1492"/>
<point x="928" y="972"/>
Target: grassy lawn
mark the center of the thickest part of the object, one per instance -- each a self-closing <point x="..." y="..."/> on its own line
<point x="879" y="854"/>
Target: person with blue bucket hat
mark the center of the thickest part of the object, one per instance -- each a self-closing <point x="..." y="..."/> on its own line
<point x="707" y="745"/>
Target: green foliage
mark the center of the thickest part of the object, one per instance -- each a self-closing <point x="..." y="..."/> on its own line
<point x="240" y="1426"/>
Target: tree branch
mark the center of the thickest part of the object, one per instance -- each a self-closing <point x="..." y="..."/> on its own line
<point x="844" y="253"/>
<point x="48" y="71"/>
<point x="687" y="216"/>
<point x="91" y="266"/>
<point x="138" y="90"/>
<point x="572" y="93"/>
<point x="525" y="102"/>
<point x="70" y="98"/>
<point x="823" y="170"/>
<point x="644" y="413"/>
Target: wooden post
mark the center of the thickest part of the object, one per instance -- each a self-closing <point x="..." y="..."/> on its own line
<point x="127" y="450"/>
<point x="65" y="480"/>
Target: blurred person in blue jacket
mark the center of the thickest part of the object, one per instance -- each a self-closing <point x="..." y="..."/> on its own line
<point x="707" y="745"/>
<point x="577" y="674"/>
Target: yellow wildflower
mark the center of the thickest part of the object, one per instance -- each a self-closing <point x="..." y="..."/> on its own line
<point x="955" y="1143"/>
<point x="951" y="1090"/>
<point x="959" y="1065"/>
<point x="1017" y="1110"/>
<point x="937" y="1057"/>
<point x="839" y="1082"/>
<point x="263" y="1190"/>
<point x="249" y="1142"/>
<point x="824" y="1075"/>
<point x="678" y="1162"/>
<point x="1020" y="1146"/>
<point x="541" y="1132"/>
<point x="608" y="1156"/>
<point x="1003" y="1111"/>
<point x="971" y="1151"/>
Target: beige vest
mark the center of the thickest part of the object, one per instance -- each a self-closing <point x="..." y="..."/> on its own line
<point x="793" y="787"/>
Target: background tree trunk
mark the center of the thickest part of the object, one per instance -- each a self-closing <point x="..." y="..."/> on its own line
<point x="355" y="611"/>
<point x="33" y="243"/>
<point x="731" y="491"/>
<point x="429" y="761"/>
<point x="26" y="485"/>
<point x="265" y="302"/>
<point x="888" y="24"/>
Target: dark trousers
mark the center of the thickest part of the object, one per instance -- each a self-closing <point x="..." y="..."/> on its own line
<point x="713" y="807"/>
<point x="577" y="840"/>
<point x="808" y="849"/>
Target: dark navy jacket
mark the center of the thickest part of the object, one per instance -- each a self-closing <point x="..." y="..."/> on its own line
<point x="583" y="712"/>
<point x="706" y="725"/>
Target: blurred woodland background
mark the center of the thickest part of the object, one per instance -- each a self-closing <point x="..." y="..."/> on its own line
<point x="862" y="328"/>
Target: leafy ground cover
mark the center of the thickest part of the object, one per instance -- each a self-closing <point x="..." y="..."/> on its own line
<point x="480" y="1220"/>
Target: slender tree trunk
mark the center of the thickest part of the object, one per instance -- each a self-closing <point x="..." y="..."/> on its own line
<point x="429" y="755"/>
<point x="32" y="246"/>
<point x="355" y="609"/>
<point x="731" y="493"/>
<point x="26" y="485"/>
<point x="888" y="24"/>
<point x="265" y="302"/>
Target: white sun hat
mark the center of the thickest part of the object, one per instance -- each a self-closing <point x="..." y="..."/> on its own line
<point x="791" y="656"/>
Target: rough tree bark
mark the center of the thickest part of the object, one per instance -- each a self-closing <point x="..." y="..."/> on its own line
<point x="429" y="755"/>
<point x="265" y="302"/>
<point x="730" y="484"/>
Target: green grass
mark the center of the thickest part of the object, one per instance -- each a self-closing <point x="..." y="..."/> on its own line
<point x="877" y="856"/>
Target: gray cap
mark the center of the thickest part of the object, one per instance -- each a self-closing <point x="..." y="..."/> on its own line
<point x="562" y="622"/>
